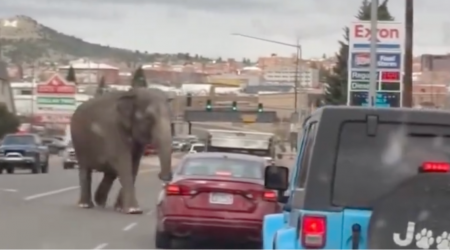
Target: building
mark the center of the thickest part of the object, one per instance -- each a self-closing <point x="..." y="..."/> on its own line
<point x="306" y="76"/>
<point x="435" y="95"/>
<point x="435" y="62"/>
<point x="90" y="73"/>
<point x="6" y="95"/>
<point x="274" y="61"/>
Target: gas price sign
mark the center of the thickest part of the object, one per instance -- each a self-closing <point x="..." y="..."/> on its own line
<point x="383" y="99"/>
<point x="390" y="81"/>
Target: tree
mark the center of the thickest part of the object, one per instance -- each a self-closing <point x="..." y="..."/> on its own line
<point x="337" y="80"/>
<point x="101" y="88"/>
<point x="9" y="122"/>
<point x="71" y="76"/>
<point x="138" y="79"/>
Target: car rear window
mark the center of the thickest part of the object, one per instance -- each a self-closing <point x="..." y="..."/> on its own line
<point x="235" y="168"/>
<point x="240" y="151"/>
<point x="18" y="140"/>
<point x="368" y="167"/>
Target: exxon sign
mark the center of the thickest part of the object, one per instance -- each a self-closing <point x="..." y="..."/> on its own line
<point x="387" y="32"/>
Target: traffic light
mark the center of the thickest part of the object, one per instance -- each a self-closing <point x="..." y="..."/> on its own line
<point x="208" y="105"/>
<point x="234" y="106"/>
<point x="260" y="107"/>
<point x="188" y="100"/>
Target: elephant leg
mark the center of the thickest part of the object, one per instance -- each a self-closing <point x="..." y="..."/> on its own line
<point x="101" y="194"/>
<point x="85" y="178"/>
<point x="125" y="197"/>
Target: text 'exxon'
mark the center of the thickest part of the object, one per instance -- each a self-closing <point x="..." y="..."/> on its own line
<point x="361" y="31"/>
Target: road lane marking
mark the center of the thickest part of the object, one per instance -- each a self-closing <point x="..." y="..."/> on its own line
<point x="58" y="191"/>
<point x="9" y="190"/>
<point x="101" y="246"/>
<point x="130" y="226"/>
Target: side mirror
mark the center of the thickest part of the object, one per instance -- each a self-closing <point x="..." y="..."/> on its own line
<point x="276" y="178"/>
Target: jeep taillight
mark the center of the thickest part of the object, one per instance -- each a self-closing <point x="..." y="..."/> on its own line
<point x="313" y="231"/>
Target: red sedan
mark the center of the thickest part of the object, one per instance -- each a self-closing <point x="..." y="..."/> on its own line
<point x="149" y="150"/>
<point x="215" y="196"/>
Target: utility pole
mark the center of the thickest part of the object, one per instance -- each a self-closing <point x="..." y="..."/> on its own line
<point x="373" y="53"/>
<point x="409" y="33"/>
<point x="298" y="55"/>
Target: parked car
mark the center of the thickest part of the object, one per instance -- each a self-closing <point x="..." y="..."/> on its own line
<point x="214" y="196"/>
<point x="150" y="150"/>
<point x="69" y="157"/>
<point x="23" y="151"/>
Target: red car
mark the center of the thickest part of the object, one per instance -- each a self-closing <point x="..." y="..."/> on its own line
<point x="149" y="150"/>
<point x="215" y="196"/>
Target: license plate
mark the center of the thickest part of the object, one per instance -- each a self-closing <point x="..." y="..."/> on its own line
<point x="221" y="198"/>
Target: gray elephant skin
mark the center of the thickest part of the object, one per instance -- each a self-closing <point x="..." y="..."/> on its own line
<point x="109" y="134"/>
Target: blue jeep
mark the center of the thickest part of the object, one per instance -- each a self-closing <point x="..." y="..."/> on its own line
<point x="365" y="178"/>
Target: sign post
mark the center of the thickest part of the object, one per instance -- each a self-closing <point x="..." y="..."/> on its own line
<point x="55" y="100"/>
<point x="389" y="64"/>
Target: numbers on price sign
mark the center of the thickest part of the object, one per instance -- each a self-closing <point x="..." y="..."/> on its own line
<point x="390" y="76"/>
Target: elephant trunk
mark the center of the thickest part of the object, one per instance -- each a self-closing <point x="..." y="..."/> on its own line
<point x="162" y="136"/>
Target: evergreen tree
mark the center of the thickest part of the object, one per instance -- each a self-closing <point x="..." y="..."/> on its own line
<point x="71" y="76"/>
<point x="138" y="80"/>
<point x="337" y="80"/>
<point x="101" y="88"/>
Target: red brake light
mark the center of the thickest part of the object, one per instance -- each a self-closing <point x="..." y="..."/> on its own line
<point x="269" y="196"/>
<point x="313" y="231"/>
<point x="176" y="190"/>
<point x="223" y="173"/>
<point x="435" y="167"/>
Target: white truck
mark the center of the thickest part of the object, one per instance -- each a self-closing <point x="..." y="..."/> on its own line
<point x="243" y="142"/>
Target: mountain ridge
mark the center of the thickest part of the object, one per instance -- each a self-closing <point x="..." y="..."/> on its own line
<point x="25" y="40"/>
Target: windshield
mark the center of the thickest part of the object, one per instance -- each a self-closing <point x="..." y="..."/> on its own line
<point x="223" y="167"/>
<point x="368" y="167"/>
<point x="18" y="140"/>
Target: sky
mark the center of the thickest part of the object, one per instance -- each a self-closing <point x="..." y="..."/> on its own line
<point x="205" y="26"/>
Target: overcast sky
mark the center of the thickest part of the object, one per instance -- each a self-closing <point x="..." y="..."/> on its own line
<point x="204" y="26"/>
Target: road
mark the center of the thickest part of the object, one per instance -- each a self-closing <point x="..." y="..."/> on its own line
<point x="39" y="211"/>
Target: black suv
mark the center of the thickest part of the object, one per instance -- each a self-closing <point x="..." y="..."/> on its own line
<point x="365" y="178"/>
<point x="23" y="151"/>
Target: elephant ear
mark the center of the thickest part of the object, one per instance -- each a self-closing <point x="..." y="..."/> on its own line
<point x="126" y="109"/>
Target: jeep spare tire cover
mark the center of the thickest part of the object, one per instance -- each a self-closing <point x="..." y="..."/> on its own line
<point x="416" y="215"/>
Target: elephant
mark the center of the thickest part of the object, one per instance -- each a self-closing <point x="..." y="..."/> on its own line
<point x="109" y="134"/>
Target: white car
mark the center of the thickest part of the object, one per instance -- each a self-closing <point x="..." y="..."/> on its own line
<point x="196" y="148"/>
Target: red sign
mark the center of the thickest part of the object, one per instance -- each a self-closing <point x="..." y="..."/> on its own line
<point x="56" y="85"/>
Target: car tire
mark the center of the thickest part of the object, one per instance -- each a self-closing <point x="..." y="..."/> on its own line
<point x="1" y="170"/>
<point x="163" y="240"/>
<point x="10" y="170"/>
<point x="44" y="168"/>
<point x="36" y="168"/>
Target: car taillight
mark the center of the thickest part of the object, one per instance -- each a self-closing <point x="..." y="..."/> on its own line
<point x="435" y="167"/>
<point x="313" y="231"/>
<point x="270" y="196"/>
<point x="177" y="190"/>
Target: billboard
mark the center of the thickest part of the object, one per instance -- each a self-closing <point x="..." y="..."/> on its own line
<point x="55" y="100"/>
<point x="389" y="64"/>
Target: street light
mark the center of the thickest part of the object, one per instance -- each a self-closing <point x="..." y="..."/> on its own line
<point x="298" y="47"/>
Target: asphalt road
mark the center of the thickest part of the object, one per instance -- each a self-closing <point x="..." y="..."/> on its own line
<point x="39" y="211"/>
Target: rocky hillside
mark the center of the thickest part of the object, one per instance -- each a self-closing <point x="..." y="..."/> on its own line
<point x="23" y="40"/>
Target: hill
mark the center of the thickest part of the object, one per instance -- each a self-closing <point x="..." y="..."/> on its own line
<point x="24" y="40"/>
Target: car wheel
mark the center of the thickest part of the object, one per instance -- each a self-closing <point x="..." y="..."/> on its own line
<point x="1" y="170"/>
<point x="10" y="170"/>
<point x="163" y="240"/>
<point x="44" y="168"/>
<point x="36" y="168"/>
